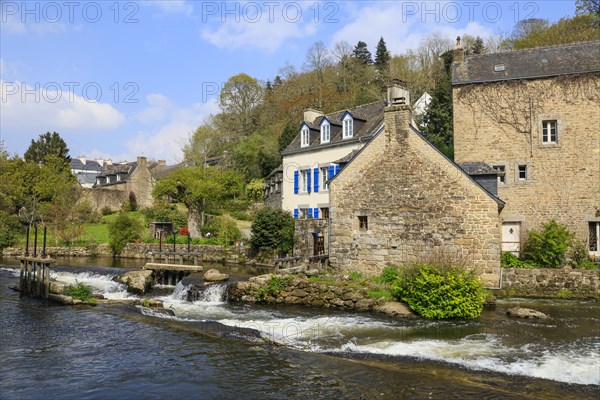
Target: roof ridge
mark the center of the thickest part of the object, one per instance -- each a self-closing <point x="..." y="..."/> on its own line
<point x="534" y="48"/>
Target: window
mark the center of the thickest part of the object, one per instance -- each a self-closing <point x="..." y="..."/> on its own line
<point x="325" y="177"/>
<point x="594" y="238"/>
<point x="277" y="186"/>
<point x="325" y="213"/>
<point x="303" y="212"/>
<point x="363" y="223"/>
<point x="304" y="183"/>
<point x="325" y="132"/>
<point x="348" y="127"/>
<point x="305" y="137"/>
<point x="522" y="172"/>
<point x="549" y="131"/>
<point x="501" y="170"/>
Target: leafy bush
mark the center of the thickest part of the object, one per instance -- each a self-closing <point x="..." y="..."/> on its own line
<point x="273" y="230"/>
<point x="164" y="212"/>
<point x="255" y="190"/>
<point x="227" y="230"/>
<point x="241" y="215"/>
<point x="509" y="260"/>
<point x="440" y="292"/>
<point x="10" y="227"/>
<point x="106" y="211"/>
<point x="548" y="247"/>
<point x="389" y="275"/>
<point x="580" y="257"/>
<point x="122" y="230"/>
<point x="79" y="291"/>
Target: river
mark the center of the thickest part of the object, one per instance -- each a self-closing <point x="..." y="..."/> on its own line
<point x="210" y="349"/>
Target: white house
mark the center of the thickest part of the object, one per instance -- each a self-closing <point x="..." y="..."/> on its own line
<point x="324" y="144"/>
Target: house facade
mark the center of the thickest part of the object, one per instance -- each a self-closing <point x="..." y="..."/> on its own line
<point x="400" y="199"/>
<point x="324" y="144"/>
<point x="86" y="170"/>
<point x="534" y="115"/>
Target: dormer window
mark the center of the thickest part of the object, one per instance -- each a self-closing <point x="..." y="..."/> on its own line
<point x="325" y="132"/>
<point x="304" y="137"/>
<point x="348" y="126"/>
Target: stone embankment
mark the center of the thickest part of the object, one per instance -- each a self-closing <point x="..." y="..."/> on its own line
<point x="550" y="283"/>
<point x="288" y="289"/>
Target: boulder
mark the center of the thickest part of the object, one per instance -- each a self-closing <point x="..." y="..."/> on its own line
<point x="213" y="275"/>
<point x="138" y="282"/>
<point x="57" y="287"/>
<point x="261" y="279"/>
<point x="395" y="309"/>
<point x="311" y="272"/>
<point x="526" y="313"/>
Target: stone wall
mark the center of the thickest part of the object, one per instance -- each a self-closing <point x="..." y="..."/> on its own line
<point x="417" y="204"/>
<point x="550" y="282"/>
<point x="304" y="236"/>
<point x="493" y="124"/>
<point x="111" y="197"/>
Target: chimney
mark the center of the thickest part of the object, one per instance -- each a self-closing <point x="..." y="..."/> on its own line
<point x="310" y="114"/>
<point x="162" y="163"/>
<point x="397" y="93"/>
<point x="458" y="53"/>
<point x="141" y="161"/>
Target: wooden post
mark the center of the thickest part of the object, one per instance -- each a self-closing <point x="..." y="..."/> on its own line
<point x="44" y="246"/>
<point x="35" y="242"/>
<point x="46" y="281"/>
<point x="38" y="283"/>
<point x="27" y="243"/>
<point x="21" y="275"/>
<point x="160" y="241"/>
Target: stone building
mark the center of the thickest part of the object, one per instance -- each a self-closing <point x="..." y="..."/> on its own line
<point x="399" y="199"/>
<point x="534" y="115"/>
<point x="273" y="187"/>
<point x="118" y="183"/>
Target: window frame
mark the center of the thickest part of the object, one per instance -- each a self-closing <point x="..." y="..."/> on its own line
<point x="325" y="127"/>
<point x="548" y="135"/>
<point x="363" y="223"/>
<point x="347" y="127"/>
<point x="518" y="173"/>
<point x="304" y="180"/>
<point x="324" y="171"/>
<point x="502" y="181"/>
<point x="304" y="137"/>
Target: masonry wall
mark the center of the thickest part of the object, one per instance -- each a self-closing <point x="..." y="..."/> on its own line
<point x="304" y="235"/>
<point x="550" y="283"/>
<point x="501" y="124"/>
<point x="418" y="204"/>
<point x="141" y="182"/>
<point x="112" y="197"/>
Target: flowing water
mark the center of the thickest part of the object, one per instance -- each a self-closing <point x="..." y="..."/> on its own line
<point x="211" y="349"/>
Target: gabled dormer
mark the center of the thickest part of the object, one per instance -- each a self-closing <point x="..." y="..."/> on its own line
<point x="325" y="130"/>
<point x="347" y="125"/>
<point x="304" y="135"/>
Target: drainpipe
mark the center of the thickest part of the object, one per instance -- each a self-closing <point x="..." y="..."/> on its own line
<point x="531" y="125"/>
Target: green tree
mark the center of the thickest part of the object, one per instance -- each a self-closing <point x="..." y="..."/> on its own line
<point x="47" y="144"/>
<point x="273" y="231"/>
<point x="205" y="142"/>
<point x="122" y="230"/>
<point x="240" y="96"/>
<point x="548" y="247"/>
<point x="287" y="135"/>
<point x="255" y="190"/>
<point x="583" y="27"/>
<point x="362" y="53"/>
<point x="478" y="46"/>
<point x="200" y="189"/>
<point x="382" y="58"/>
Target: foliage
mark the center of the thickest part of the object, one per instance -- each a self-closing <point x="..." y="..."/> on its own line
<point x="79" y="291"/>
<point x="389" y="275"/>
<point x="509" y="260"/>
<point x="122" y="230"/>
<point x="272" y="230"/>
<point x="583" y="27"/>
<point x="355" y="275"/>
<point x="362" y="53"/>
<point x="227" y="230"/>
<point x="564" y="294"/>
<point x="272" y="288"/>
<point x="376" y="294"/>
<point x="240" y="215"/>
<point x="438" y="293"/>
<point x="164" y="212"/>
<point x="255" y="190"/>
<point x="548" y="247"/>
<point x="9" y="229"/>
<point x="579" y="256"/>
<point x="46" y="145"/>
<point x="240" y="96"/>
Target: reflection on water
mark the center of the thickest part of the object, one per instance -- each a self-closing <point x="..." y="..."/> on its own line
<point x="133" y="352"/>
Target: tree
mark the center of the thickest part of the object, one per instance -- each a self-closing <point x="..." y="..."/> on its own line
<point x="205" y="142"/>
<point x="382" y="57"/>
<point x="478" y="46"/>
<point x="567" y="30"/>
<point x="240" y="95"/>
<point x="287" y="135"/>
<point x="273" y="230"/>
<point x="124" y="229"/>
<point x="47" y="144"/>
<point x="255" y="190"/>
<point x="200" y="189"/>
<point x="362" y="53"/>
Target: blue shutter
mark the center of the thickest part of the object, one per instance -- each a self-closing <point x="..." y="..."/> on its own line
<point x="310" y="213"/>
<point x="337" y="169"/>
<point x="308" y="181"/>
<point x="316" y="183"/>
<point x="331" y="171"/>
<point x="295" y="213"/>
<point x="296" y="182"/>
<point x="316" y="213"/>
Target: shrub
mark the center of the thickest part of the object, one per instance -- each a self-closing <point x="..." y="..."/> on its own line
<point x="166" y="213"/>
<point x="79" y="291"/>
<point x="440" y="292"/>
<point x="10" y="227"/>
<point x="106" y="211"/>
<point x="389" y="275"/>
<point x="227" y="230"/>
<point x="272" y="230"/>
<point x="509" y="260"/>
<point x="548" y="247"/>
<point x="122" y="230"/>
<point x="241" y="215"/>
<point x="580" y="257"/>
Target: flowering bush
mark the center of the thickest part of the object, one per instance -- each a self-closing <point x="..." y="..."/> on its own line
<point x="184" y="231"/>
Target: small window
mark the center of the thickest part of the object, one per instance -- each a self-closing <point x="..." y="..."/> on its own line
<point x="501" y="171"/>
<point x="348" y="127"/>
<point x="325" y="177"/>
<point x="499" y="67"/>
<point x="305" y="137"/>
<point x="549" y="131"/>
<point x="363" y="223"/>
<point x="325" y="132"/>
<point x="325" y="213"/>
<point x="304" y="186"/>
<point x="522" y="172"/>
<point x="304" y="213"/>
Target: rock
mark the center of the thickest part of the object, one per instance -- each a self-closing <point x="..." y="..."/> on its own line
<point x="298" y="293"/>
<point x="261" y="279"/>
<point x="312" y="272"/>
<point x="317" y="303"/>
<point x="138" y="282"/>
<point x="213" y="275"/>
<point x="364" y="304"/>
<point x="526" y="313"/>
<point x="61" y="298"/>
<point x="57" y="287"/>
<point x="395" y="309"/>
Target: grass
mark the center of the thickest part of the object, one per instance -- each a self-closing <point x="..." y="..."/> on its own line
<point x="81" y="292"/>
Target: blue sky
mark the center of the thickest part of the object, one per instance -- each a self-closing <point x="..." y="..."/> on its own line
<point x="127" y="78"/>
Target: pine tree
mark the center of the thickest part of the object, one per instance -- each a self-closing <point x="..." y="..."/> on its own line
<point x="47" y="144"/>
<point x="478" y="47"/>
<point x="382" y="57"/>
<point x="362" y="53"/>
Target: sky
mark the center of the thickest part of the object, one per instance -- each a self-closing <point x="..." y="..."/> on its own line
<point x="120" y="79"/>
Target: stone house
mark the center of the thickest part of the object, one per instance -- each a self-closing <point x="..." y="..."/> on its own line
<point x="400" y="199"/>
<point x="118" y="182"/>
<point x="534" y="115"/>
<point x="273" y="187"/>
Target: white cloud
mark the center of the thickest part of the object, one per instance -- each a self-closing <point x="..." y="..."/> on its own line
<point x="250" y="25"/>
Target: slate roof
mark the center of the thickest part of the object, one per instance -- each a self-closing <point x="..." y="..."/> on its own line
<point x="575" y="58"/>
<point x="477" y="168"/>
<point x="367" y="119"/>
<point x="90" y="165"/>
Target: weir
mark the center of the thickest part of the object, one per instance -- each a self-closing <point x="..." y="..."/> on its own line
<point x="171" y="274"/>
<point x="34" y="275"/>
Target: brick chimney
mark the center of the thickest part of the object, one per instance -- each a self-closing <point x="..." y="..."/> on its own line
<point x="458" y="53"/>
<point x="310" y="114"/>
<point x="397" y="93"/>
<point x="142" y="161"/>
<point x="397" y="114"/>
